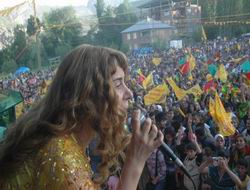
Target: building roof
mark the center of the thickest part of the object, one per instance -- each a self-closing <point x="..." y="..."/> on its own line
<point x="147" y="24"/>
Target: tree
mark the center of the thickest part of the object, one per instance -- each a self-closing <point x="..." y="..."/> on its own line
<point x="33" y="28"/>
<point x="20" y="43"/>
<point x="7" y="63"/>
<point x="33" y="25"/>
<point x="62" y="28"/>
<point x="6" y="37"/>
<point x="220" y="12"/>
<point x="100" y="7"/>
<point x="124" y="15"/>
<point x="111" y="21"/>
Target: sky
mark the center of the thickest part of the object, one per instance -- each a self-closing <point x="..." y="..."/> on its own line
<point x="9" y="3"/>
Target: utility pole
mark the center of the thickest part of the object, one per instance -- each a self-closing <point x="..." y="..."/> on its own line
<point x="38" y="55"/>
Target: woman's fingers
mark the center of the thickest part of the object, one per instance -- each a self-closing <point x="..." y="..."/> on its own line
<point x="159" y="140"/>
<point x="135" y="121"/>
<point x="138" y="125"/>
<point x="146" y="137"/>
<point x="146" y="126"/>
<point x="153" y="132"/>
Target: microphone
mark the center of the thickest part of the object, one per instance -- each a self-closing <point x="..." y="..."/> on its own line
<point x="164" y="148"/>
<point x="168" y="151"/>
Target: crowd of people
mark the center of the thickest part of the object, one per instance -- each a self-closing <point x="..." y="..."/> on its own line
<point x="32" y="85"/>
<point x="215" y="161"/>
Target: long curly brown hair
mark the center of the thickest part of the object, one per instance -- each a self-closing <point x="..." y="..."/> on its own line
<point x="81" y="90"/>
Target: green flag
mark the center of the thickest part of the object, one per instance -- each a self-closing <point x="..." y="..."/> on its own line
<point x="245" y="66"/>
<point x="212" y="69"/>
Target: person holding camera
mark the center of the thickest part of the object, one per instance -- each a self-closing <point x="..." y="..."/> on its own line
<point x="220" y="175"/>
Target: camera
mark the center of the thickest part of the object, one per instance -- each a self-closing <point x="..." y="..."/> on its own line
<point x="215" y="160"/>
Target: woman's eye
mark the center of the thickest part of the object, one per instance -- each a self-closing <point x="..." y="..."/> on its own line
<point x="118" y="84"/>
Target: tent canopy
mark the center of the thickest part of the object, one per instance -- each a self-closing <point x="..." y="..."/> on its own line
<point x="21" y="70"/>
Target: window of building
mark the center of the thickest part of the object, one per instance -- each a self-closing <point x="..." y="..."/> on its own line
<point x="134" y="35"/>
<point x="128" y="36"/>
<point x="145" y="33"/>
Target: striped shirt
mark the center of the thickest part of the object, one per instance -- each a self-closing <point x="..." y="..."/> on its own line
<point x="161" y="165"/>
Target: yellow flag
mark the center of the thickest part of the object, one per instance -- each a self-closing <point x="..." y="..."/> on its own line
<point x="181" y="112"/>
<point x="163" y="87"/>
<point x="238" y="47"/>
<point x="223" y="118"/>
<point x="195" y="90"/>
<point x="221" y="73"/>
<point x="180" y="93"/>
<point x="203" y="34"/>
<point x="190" y="76"/>
<point x="237" y="60"/>
<point x="148" y="100"/>
<point x="212" y="108"/>
<point x="157" y="95"/>
<point x="148" y="82"/>
<point x="156" y="60"/>
<point x="192" y="62"/>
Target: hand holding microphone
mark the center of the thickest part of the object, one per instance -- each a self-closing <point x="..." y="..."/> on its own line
<point x="145" y="137"/>
<point x="142" y="129"/>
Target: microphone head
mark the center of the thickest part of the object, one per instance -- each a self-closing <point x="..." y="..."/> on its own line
<point x="142" y="120"/>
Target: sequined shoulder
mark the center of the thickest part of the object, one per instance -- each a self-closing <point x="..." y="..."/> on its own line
<point x="62" y="164"/>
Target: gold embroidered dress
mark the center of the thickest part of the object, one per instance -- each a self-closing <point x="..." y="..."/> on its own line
<point x="61" y="164"/>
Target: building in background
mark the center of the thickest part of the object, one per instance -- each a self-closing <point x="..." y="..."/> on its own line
<point x="146" y="32"/>
<point x="179" y="13"/>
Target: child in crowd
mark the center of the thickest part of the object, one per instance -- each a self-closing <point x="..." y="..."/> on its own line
<point x="192" y="162"/>
<point x="242" y="168"/>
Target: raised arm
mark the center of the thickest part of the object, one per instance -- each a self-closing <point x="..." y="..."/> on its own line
<point x="233" y="176"/>
<point x="204" y="166"/>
